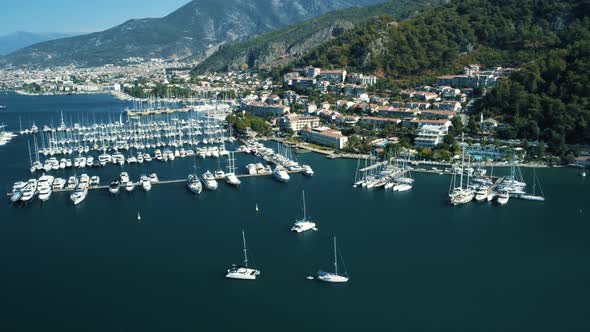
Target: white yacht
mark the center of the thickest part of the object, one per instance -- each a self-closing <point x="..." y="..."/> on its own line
<point x="482" y="194"/>
<point x="115" y="187"/>
<point x="129" y="186"/>
<point x="28" y="193"/>
<point x="305" y="223"/>
<point x="209" y="180"/>
<point x="401" y="187"/>
<point x="72" y="182"/>
<point x="154" y="178"/>
<point x="95" y="181"/>
<point x="332" y="277"/>
<point x="193" y="184"/>
<point x="17" y="191"/>
<point x="232" y="179"/>
<point x="503" y="197"/>
<point x="146" y="184"/>
<point x="307" y="170"/>
<point x="124" y="178"/>
<point x="44" y="193"/>
<point x="242" y="272"/>
<point x="281" y="174"/>
<point x="251" y="169"/>
<point x="79" y="194"/>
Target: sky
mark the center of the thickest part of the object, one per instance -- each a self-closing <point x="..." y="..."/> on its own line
<point x="77" y="15"/>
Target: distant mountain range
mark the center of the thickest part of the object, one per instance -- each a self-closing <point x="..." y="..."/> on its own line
<point x="19" y="39"/>
<point x="187" y="32"/>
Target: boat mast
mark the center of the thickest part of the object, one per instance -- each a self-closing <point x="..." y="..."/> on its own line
<point x="304" y="215"/>
<point x="245" y="250"/>
<point x="335" y="258"/>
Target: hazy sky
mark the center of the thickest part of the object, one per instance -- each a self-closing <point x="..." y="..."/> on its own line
<point x="77" y="15"/>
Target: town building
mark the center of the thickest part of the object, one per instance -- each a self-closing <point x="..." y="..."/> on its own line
<point x="324" y="136"/>
<point x="261" y="109"/>
<point x="429" y="136"/>
<point x="333" y="76"/>
<point x="297" y="122"/>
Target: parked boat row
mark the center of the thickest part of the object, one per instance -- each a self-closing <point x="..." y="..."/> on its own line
<point x="283" y="159"/>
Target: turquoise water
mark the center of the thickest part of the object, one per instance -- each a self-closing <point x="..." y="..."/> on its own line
<point x="415" y="263"/>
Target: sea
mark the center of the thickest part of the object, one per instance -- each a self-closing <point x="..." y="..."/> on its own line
<point x="415" y="263"/>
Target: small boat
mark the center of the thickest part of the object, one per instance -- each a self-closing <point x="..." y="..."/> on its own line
<point x="402" y="187"/>
<point x="256" y="207"/>
<point x="583" y="174"/>
<point x="242" y="272"/>
<point x="332" y="277"/>
<point x="138" y="216"/>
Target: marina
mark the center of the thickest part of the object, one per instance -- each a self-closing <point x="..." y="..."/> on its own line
<point x="170" y="244"/>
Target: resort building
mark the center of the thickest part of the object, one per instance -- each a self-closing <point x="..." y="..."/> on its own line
<point x="324" y="136"/>
<point x="297" y="122"/>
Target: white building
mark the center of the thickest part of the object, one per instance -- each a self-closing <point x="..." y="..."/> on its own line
<point x="430" y="136"/>
<point x="297" y="122"/>
<point x="324" y="136"/>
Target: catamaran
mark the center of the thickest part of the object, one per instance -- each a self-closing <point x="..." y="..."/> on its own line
<point x="305" y="223"/>
<point x="333" y="277"/>
<point x="242" y="272"/>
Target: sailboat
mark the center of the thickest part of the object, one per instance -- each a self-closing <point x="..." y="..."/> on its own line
<point x="305" y="223"/>
<point x="242" y="272"/>
<point x="256" y="207"/>
<point x="460" y="195"/>
<point x="533" y="196"/>
<point x="333" y="277"/>
<point x="138" y="216"/>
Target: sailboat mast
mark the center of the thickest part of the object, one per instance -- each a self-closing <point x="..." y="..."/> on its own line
<point x="304" y="214"/>
<point x="335" y="258"/>
<point x="245" y="250"/>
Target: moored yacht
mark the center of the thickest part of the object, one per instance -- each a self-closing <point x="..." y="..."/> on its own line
<point x="146" y="184"/>
<point x="154" y="178"/>
<point x="115" y="187"/>
<point x="281" y="174"/>
<point x="79" y="194"/>
<point x="193" y="184"/>
<point x="307" y="170"/>
<point x="129" y="186"/>
<point x="209" y="181"/>
<point x="503" y="197"/>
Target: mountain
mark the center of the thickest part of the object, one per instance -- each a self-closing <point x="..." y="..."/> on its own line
<point x="284" y="45"/>
<point x="188" y="31"/>
<point x="16" y="40"/>
<point x="444" y="38"/>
